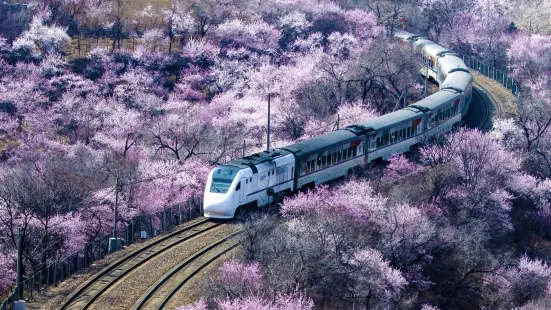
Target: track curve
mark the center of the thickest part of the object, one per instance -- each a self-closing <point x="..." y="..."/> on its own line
<point x="91" y="290"/>
<point x="158" y="295"/>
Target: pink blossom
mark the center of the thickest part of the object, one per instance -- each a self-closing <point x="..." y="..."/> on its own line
<point x="240" y="279"/>
<point x="399" y="166"/>
<point x="282" y="302"/>
<point x="376" y="277"/>
<point x="7" y="272"/>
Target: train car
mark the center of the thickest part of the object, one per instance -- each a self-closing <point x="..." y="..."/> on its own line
<point x="393" y="133"/>
<point x="256" y="179"/>
<point x="442" y="110"/>
<point x="326" y="157"/>
<point x="430" y="53"/>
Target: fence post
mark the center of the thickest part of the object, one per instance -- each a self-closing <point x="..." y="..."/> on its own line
<point x="55" y="274"/>
<point x="179" y="214"/>
<point x="99" y="246"/>
<point x="133" y="234"/>
<point x="85" y="256"/>
<point x="126" y="233"/>
<point x="47" y="276"/>
<point x="151" y="226"/>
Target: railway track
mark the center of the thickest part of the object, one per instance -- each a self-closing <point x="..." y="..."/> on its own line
<point x="85" y="295"/>
<point x="158" y="295"/>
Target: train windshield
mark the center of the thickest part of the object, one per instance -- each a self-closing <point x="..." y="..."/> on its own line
<point x="222" y="178"/>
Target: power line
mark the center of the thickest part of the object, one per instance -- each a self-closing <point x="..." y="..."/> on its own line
<point x="305" y="133"/>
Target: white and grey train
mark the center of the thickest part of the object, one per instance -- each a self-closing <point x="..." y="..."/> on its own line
<point x="254" y="179"/>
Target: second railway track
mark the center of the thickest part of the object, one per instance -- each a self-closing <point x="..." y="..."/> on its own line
<point x="85" y="296"/>
<point x="158" y="295"/>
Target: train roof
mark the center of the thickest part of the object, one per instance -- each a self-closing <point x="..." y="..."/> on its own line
<point x="458" y="79"/>
<point x="392" y="119"/>
<point x="452" y="62"/>
<point x="251" y="161"/>
<point x="405" y="35"/>
<point x="325" y="141"/>
<point x="435" y="100"/>
<point x="430" y="47"/>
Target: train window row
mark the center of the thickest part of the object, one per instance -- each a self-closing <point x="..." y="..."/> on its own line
<point x="427" y="60"/>
<point x="397" y="136"/>
<point x="331" y="159"/>
<point x="444" y="115"/>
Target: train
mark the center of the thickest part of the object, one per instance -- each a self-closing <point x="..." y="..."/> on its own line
<point x="255" y="180"/>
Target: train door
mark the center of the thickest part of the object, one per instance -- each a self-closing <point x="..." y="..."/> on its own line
<point x="241" y="190"/>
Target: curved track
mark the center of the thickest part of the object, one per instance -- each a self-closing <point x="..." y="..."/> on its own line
<point x="158" y="295"/>
<point x="483" y="109"/>
<point x="92" y="289"/>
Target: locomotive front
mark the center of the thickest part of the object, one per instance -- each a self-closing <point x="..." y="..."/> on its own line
<point x="220" y="198"/>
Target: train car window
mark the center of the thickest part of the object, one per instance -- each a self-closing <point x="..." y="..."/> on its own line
<point x="354" y="151"/>
<point x="292" y="172"/>
<point x="344" y="154"/>
<point x="329" y="160"/>
<point x="339" y="156"/>
<point x="251" y="179"/>
<point x="349" y="152"/>
<point x="238" y="187"/>
<point x="324" y="161"/>
<point x="247" y="181"/>
<point x="334" y="158"/>
<point x="318" y="166"/>
<point x="307" y="166"/>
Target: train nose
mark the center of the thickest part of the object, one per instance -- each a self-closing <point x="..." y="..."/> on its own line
<point x="217" y="210"/>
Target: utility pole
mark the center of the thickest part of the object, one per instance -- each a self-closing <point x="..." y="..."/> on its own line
<point x="243" y="152"/>
<point x="405" y="96"/>
<point x="18" y="280"/>
<point x="116" y="207"/>
<point x="268" y="144"/>
<point x="426" y="78"/>
<point x="115" y="243"/>
<point x="338" y="121"/>
<point x="18" y="303"/>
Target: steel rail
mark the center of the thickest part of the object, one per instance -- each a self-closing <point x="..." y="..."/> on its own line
<point x="110" y="275"/>
<point x="163" y="290"/>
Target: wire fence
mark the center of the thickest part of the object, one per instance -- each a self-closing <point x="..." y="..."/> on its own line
<point x="492" y="73"/>
<point x="138" y="230"/>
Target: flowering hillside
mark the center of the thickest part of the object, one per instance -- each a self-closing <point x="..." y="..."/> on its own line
<point x="92" y="96"/>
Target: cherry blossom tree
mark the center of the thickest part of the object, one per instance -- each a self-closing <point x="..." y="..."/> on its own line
<point x="399" y="166"/>
<point x="41" y="39"/>
<point x="281" y="302"/>
<point x="529" y="59"/>
<point x="522" y="286"/>
<point x="7" y="273"/>
<point x="237" y="279"/>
